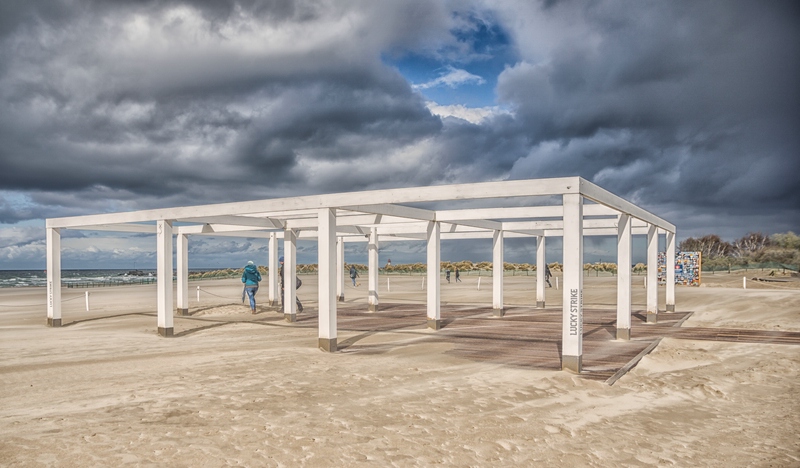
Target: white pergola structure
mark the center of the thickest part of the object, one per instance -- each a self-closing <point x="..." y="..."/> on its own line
<point x="519" y="208"/>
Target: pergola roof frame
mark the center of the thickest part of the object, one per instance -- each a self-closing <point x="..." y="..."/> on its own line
<point x="386" y="215"/>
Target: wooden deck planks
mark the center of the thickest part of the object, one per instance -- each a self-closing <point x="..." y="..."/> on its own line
<point x="531" y="337"/>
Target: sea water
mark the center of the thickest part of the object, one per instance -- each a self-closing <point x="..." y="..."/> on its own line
<point x="26" y="278"/>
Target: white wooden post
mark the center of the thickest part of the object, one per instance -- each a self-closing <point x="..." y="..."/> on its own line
<point x="624" y="277"/>
<point x="572" y="309"/>
<point x="374" y="267"/>
<point x="434" y="233"/>
<point x="289" y="275"/>
<point x="652" y="274"/>
<point x="340" y="269"/>
<point x="744" y="282"/>
<point x="53" y="277"/>
<point x="164" y="276"/>
<point x="182" y="254"/>
<point x="670" y="266"/>
<point x="326" y="241"/>
<point x="273" y="269"/>
<point x="198" y="294"/>
<point x="498" y="267"/>
<point x="541" y="266"/>
<point x="87" y="301"/>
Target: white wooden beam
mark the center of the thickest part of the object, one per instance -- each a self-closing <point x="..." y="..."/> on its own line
<point x="670" y="271"/>
<point x="374" y="267"/>
<point x="652" y="274"/>
<point x="53" y="237"/>
<point x="182" y="258"/>
<point x="498" y="268"/>
<point x="327" y="279"/>
<point x="624" y="277"/>
<point x="502" y="189"/>
<point x="601" y="195"/>
<point x="134" y="228"/>
<point x="391" y="209"/>
<point x="433" y="254"/>
<point x="541" y="265"/>
<point x="229" y="220"/>
<point x="572" y="309"/>
<point x="164" y="276"/>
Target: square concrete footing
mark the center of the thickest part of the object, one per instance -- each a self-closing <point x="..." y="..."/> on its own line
<point x="652" y="317"/>
<point x="498" y="312"/>
<point x="540" y="304"/>
<point x="572" y="363"/>
<point x="328" y="344"/>
<point x="290" y="317"/>
<point x="183" y="312"/>
<point x="373" y="307"/>
<point x="166" y="332"/>
<point x="434" y="324"/>
<point x="670" y="307"/>
<point x="55" y="323"/>
<point x="624" y="334"/>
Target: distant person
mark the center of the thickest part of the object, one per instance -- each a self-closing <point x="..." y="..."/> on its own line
<point x="298" y="283"/>
<point x="251" y="277"/>
<point x="547" y="275"/>
<point x="447" y="275"/>
<point x="458" y="276"/>
<point x="353" y="274"/>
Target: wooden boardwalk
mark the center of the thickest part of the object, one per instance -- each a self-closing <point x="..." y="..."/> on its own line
<point x="530" y="337"/>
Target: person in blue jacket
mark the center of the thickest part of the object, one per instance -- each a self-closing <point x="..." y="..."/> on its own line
<point x="251" y="277"/>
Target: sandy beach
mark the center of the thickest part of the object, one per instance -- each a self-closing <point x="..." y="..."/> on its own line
<point x="233" y="389"/>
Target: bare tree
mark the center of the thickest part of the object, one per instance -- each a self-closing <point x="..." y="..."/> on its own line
<point x="750" y="244"/>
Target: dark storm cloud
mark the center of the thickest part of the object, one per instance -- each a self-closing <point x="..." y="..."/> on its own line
<point x="102" y="99"/>
<point x="690" y="103"/>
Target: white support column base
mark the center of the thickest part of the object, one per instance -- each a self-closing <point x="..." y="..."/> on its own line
<point x="624" y="334"/>
<point x="183" y="312"/>
<point x="341" y="298"/>
<point x="165" y="332"/>
<point x="55" y="323"/>
<point x="291" y="318"/>
<point x="435" y="324"/>
<point x="498" y="312"/>
<point x="572" y="363"/>
<point x="540" y="304"/>
<point x="652" y="317"/>
<point x="328" y="344"/>
<point x="670" y="307"/>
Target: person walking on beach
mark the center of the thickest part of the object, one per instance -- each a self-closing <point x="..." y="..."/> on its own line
<point x="547" y="275"/>
<point x="297" y="286"/>
<point x="353" y="274"/>
<point x="458" y="276"/>
<point x="447" y="275"/>
<point x="251" y="277"/>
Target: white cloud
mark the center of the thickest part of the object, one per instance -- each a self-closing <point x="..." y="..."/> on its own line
<point x="453" y="78"/>
<point x="474" y="115"/>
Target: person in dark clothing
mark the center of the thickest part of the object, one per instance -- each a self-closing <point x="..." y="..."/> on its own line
<point x="353" y="274"/>
<point x="298" y="283"/>
<point x="251" y="277"/>
<point x="447" y="275"/>
<point x="458" y="276"/>
<point x="547" y="275"/>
